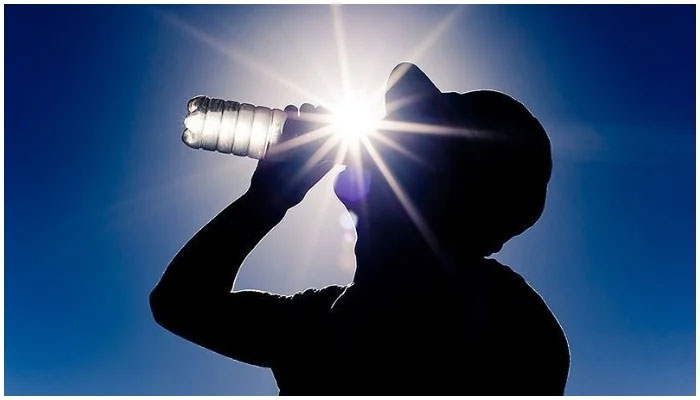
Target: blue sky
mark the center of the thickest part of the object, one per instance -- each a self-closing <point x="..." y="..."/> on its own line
<point x="100" y="192"/>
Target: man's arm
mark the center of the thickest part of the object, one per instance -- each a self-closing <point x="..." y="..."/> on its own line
<point x="193" y="298"/>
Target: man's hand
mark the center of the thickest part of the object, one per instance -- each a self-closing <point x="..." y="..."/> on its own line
<point x="193" y="298"/>
<point x="287" y="173"/>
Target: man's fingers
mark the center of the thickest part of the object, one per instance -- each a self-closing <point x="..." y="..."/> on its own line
<point x="309" y="117"/>
<point x="292" y="111"/>
<point x="306" y="119"/>
<point x="291" y="127"/>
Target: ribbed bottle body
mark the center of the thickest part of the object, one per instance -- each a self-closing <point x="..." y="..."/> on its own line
<point x="231" y="127"/>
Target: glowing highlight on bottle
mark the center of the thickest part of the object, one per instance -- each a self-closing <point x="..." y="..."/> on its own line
<point x="231" y="127"/>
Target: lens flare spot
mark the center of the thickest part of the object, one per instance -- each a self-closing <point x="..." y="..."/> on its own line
<point x="352" y="185"/>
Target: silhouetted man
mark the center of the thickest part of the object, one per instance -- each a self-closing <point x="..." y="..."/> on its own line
<point x="426" y="312"/>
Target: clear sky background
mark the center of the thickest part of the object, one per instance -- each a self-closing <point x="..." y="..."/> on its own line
<point x="100" y="192"/>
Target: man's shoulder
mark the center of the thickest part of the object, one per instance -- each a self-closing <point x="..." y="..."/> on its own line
<point x="498" y="274"/>
<point x="524" y="304"/>
<point x="513" y="291"/>
<point x="322" y="298"/>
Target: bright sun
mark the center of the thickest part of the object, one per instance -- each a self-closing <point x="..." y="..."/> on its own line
<point x="354" y="118"/>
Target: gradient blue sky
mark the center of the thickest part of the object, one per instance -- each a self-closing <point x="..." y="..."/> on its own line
<point x="100" y="192"/>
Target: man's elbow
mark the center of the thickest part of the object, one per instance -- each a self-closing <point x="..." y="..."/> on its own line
<point x="162" y="308"/>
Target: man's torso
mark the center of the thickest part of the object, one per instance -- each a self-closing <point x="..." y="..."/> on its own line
<point x="486" y="332"/>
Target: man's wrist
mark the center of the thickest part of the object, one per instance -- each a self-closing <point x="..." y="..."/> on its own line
<point x="268" y="201"/>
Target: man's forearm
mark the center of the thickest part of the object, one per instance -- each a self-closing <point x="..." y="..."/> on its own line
<point x="209" y="262"/>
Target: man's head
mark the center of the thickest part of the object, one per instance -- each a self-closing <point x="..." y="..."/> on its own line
<point x="475" y="165"/>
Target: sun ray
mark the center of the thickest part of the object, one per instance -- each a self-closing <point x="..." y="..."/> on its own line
<point x="394" y="145"/>
<point x="355" y="155"/>
<point x="431" y="129"/>
<point x="301" y="140"/>
<point x="238" y="56"/>
<point x="326" y="80"/>
<point x="147" y="201"/>
<point x="429" y="40"/>
<point x="418" y="51"/>
<point x="316" y="157"/>
<point x="355" y="163"/>
<point x="401" y="195"/>
<point x="395" y="105"/>
<point x="348" y="151"/>
<point x="341" y="48"/>
<point x="342" y="152"/>
<point x="315" y="228"/>
<point x="435" y="34"/>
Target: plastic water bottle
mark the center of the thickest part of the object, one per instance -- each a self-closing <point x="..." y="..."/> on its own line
<point x="231" y="127"/>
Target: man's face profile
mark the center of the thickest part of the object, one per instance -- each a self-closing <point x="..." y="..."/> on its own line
<point x="475" y="165"/>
